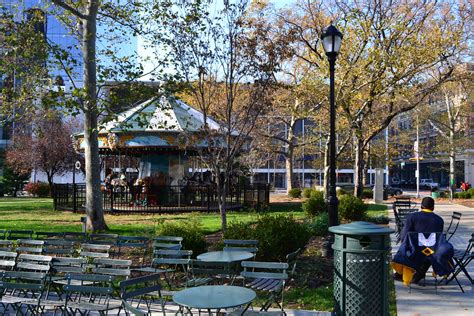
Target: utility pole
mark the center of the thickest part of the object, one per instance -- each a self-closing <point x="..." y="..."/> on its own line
<point x="417" y="157"/>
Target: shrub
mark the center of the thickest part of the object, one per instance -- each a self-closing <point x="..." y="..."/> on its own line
<point x="352" y="208"/>
<point x="462" y="195"/>
<point x="307" y="192"/>
<point x="367" y="193"/>
<point x="295" y="193"/>
<point x="277" y="235"/>
<point x="378" y="219"/>
<point x="189" y="229"/>
<point x="37" y="189"/>
<point x="471" y="192"/>
<point x="341" y="192"/>
<point x="320" y="225"/>
<point x="315" y="205"/>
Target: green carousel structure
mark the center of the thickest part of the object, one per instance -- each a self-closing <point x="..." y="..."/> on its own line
<point x="149" y="155"/>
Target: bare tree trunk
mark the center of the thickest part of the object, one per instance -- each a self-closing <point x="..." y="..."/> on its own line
<point x="289" y="168"/>
<point x="94" y="208"/>
<point x="49" y="176"/>
<point x="452" y="164"/>
<point x="358" y="167"/>
<point x="221" y="199"/>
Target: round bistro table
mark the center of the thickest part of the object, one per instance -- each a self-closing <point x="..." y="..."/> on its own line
<point x="214" y="297"/>
<point x="225" y="256"/>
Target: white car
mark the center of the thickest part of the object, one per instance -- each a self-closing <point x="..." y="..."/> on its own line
<point x="428" y="183"/>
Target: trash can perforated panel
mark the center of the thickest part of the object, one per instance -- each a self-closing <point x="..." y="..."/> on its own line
<point x="361" y="253"/>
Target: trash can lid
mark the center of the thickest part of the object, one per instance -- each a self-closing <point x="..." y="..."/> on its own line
<point x="360" y="228"/>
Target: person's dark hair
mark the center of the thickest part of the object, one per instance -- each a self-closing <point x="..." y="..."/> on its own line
<point x="427" y="203"/>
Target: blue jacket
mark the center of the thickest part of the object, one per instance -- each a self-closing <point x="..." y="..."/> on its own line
<point x="421" y="222"/>
<point x="411" y="253"/>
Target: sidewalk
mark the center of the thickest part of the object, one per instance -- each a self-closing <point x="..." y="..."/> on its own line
<point x="448" y="300"/>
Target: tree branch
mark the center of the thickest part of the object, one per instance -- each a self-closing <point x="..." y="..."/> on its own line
<point x="69" y="8"/>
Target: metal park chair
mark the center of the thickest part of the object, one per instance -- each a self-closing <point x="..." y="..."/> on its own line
<point x="138" y="243"/>
<point x="15" y="234"/>
<point x="400" y="218"/>
<point x="87" y="293"/>
<point x="58" y="247"/>
<point x="60" y="267"/>
<point x="139" y="294"/>
<point x="33" y="263"/>
<point x="49" y="235"/>
<point x="113" y="267"/>
<point x="241" y="245"/>
<point x="76" y="237"/>
<point x="267" y="277"/>
<point x="94" y="251"/>
<point x="167" y="242"/>
<point x="6" y="245"/>
<point x="204" y="273"/>
<point x="461" y="259"/>
<point x="453" y="225"/>
<point x="30" y="246"/>
<point x="7" y="260"/>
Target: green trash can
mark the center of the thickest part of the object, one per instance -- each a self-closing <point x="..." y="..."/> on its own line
<point x="361" y="265"/>
<point x="435" y="194"/>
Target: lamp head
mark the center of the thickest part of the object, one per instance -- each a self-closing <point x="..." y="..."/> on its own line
<point x="331" y="38"/>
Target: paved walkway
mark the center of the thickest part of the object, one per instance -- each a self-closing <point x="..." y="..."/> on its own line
<point x="448" y="299"/>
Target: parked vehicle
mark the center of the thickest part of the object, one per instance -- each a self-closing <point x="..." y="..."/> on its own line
<point x="392" y="191"/>
<point x="395" y="181"/>
<point x="428" y="184"/>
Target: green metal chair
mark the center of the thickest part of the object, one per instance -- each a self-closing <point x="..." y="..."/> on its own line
<point x="113" y="267"/>
<point x="167" y="242"/>
<point x="165" y="254"/>
<point x="138" y="243"/>
<point x="267" y="277"/>
<point x="6" y="245"/>
<point x="20" y="288"/>
<point x="30" y="246"/>
<point x="7" y="260"/>
<point x="241" y="245"/>
<point x="138" y="295"/>
<point x="94" y="251"/>
<point x="58" y="247"/>
<point x="83" y="297"/>
<point x="60" y="267"/>
<point x="204" y="273"/>
<point x="14" y="234"/>
<point x="49" y="235"/>
<point x="76" y="237"/>
<point x="33" y="263"/>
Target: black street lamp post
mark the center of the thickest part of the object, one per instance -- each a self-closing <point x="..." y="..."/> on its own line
<point x="332" y="39"/>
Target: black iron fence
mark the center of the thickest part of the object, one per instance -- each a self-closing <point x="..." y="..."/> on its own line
<point x="151" y="199"/>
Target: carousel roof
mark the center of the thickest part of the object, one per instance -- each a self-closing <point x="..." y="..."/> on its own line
<point x="165" y="114"/>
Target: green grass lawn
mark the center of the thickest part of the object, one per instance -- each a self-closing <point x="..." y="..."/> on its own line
<point x="377" y="210"/>
<point x="37" y="214"/>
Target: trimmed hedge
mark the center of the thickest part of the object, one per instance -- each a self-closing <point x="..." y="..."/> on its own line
<point x="294" y="193"/>
<point x="352" y="208"/>
<point x="277" y="235"/>
<point x="315" y="205"/>
<point x="191" y="231"/>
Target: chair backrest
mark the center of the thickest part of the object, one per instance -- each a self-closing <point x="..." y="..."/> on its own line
<point x="168" y="242"/>
<point x="112" y="267"/>
<point x="291" y="259"/>
<point x="6" y="245"/>
<point x="7" y="260"/>
<point x="27" y="284"/>
<point x="65" y="265"/>
<point x="14" y="234"/>
<point x="241" y="245"/>
<point x="208" y="269"/>
<point x="49" y="235"/>
<point x="88" y="287"/>
<point x="58" y="247"/>
<point x="103" y="239"/>
<point x="33" y="263"/>
<point x="30" y="246"/>
<point x="140" y="289"/>
<point x="76" y="237"/>
<point x="265" y="270"/>
<point x="167" y="253"/>
<point x="453" y="225"/>
<point x="95" y="251"/>
<point x="136" y="242"/>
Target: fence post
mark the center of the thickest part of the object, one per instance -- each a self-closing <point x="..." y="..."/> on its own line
<point x="208" y="198"/>
<point x="74" y="197"/>
<point x="112" y="200"/>
<point x="54" y="197"/>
